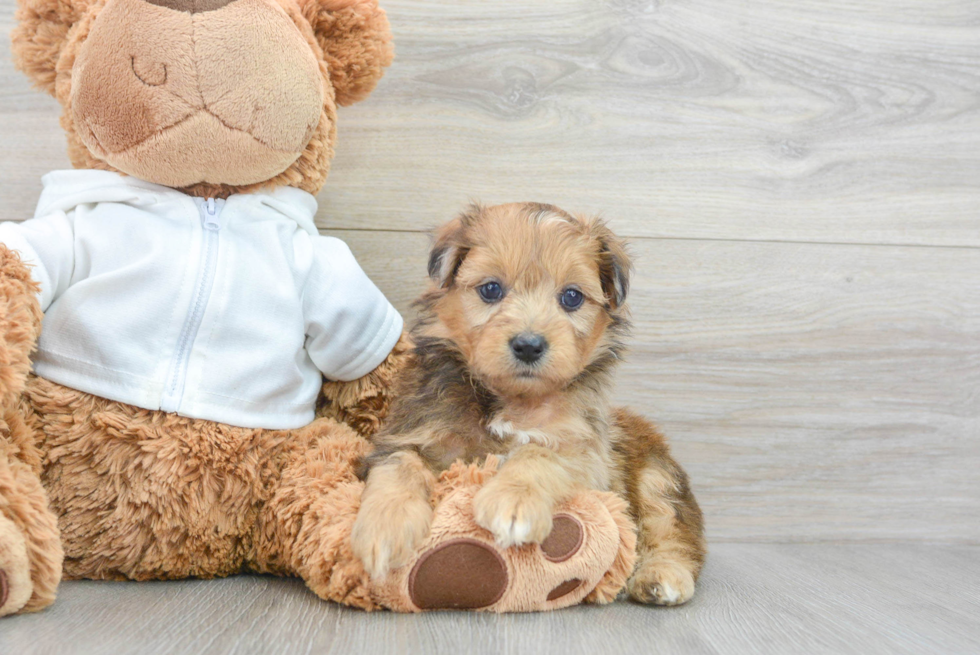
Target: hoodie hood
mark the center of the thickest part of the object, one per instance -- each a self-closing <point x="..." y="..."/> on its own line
<point x="67" y="189"/>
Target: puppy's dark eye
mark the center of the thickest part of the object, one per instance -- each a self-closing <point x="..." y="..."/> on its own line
<point x="571" y="299"/>
<point x="490" y="292"/>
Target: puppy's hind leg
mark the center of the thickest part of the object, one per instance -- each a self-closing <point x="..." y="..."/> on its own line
<point x="670" y="544"/>
<point x="395" y="513"/>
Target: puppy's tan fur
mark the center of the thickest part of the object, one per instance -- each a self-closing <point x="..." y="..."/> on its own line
<point x="467" y="395"/>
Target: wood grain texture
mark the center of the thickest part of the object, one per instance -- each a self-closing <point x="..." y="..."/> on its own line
<point x="806" y="121"/>
<point x="801" y="121"/>
<point x="813" y="392"/>
<point x="762" y="599"/>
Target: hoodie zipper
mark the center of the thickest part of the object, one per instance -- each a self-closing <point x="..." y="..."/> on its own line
<point x="210" y="211"/>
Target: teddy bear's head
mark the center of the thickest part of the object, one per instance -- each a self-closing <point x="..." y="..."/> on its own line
<point x="209" y="96"/>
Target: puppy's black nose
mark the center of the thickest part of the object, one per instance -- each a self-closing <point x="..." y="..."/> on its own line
<point x="528" y="347"/>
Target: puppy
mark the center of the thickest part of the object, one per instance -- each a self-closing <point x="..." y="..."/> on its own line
<point x="515" y="348"/>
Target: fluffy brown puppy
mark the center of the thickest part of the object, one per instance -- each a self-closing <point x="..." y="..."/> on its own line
<point x="515" y="350"/>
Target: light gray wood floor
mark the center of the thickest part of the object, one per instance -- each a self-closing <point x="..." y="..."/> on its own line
<point x="754" y="598"/>
<point x="801" y="184"/>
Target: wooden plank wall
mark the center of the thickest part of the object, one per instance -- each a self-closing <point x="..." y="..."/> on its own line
<point x="801" y="185"/>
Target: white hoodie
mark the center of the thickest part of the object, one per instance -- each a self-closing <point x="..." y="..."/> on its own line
<point x="220" y="310"/>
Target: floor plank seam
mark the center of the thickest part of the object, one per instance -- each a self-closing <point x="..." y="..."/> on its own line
<point x="794" y="242"/>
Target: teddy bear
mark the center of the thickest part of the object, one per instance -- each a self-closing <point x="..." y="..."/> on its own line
<point x="210" y="368"/>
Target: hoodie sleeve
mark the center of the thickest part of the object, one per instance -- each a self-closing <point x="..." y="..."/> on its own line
<point x="350" y="326"/>
<point x="46" y="244"/>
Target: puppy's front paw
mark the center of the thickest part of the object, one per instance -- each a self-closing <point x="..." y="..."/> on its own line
<point x="386" y="534"/>
<point x="661" y="583"/>
<point x="515" y="515"/>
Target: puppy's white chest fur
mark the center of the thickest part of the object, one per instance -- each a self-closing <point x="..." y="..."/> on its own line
<point x="551" y="424"/>
<point x="557" y="428"/>
<point x="506" y="430"/>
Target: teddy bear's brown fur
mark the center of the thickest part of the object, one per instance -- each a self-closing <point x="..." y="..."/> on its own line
<point x="92" y="488"/>
<point x="141" y="494"/>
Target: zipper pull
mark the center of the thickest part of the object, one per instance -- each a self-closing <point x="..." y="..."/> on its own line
<point x="211" y="221"/>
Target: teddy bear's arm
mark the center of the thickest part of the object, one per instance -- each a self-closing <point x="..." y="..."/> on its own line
<point x="356" y="42"/>
<point x="20" y="324"/>
<point x="46" y="245"/>
<point x="30" y="549"/>
<point x="363" y="403"/>
<point x="36" y="262"/>
<point x="354" y="336"/>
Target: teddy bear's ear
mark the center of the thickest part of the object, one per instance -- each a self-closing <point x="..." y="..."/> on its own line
<point x="356" y="41"/>
<point x="40" y="35"/>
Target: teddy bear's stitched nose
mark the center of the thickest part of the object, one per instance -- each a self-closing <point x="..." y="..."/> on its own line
<point x="191" y="6"/>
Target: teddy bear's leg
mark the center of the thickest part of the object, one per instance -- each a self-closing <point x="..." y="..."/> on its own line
<point x="588" y="555"/>
<point x="304" y="527"/>
<point x="30" y="547"/>
<point x="670" y="541"/>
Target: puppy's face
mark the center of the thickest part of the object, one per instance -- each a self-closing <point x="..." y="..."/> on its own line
<point x="530" y="296"/>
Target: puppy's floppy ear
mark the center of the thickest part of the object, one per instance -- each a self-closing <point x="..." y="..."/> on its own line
<point x="40" y="37"/>
<point x="356" y="42"/>
<point x="448" y="252"/>
<point x="614" y="263"/>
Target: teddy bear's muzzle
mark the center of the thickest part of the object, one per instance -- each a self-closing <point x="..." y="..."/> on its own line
<point x="179" y="92"/>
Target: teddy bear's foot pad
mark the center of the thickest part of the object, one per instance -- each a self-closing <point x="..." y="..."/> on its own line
<point x="458" y="574"/>
<point x="469" y="574"/>
<point x="460" y="566"/>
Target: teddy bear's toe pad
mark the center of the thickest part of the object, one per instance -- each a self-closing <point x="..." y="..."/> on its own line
<point x="565" y="588"/>
<point x="4" y="588"/>
<point x="565" y="539"/>
<point x="458" y="574"/>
